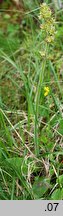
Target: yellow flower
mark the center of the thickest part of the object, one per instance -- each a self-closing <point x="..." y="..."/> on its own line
<point x="46" y="91"/>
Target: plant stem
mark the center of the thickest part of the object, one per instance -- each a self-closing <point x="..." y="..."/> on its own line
<point x="41" y="77"/>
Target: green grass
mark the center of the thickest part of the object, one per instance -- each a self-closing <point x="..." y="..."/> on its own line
<point x="31" y="125"/>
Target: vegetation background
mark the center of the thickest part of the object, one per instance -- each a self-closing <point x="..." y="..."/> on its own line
<point x="31" y="123"/>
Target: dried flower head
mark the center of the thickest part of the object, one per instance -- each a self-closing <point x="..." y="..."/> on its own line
<point x="47" y="23"/>
<point x="45" y="12"/>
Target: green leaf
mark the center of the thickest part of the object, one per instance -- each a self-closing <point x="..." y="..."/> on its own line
<point x="57" y="194"/>
<point x="40" y="187"/>
<point x="61" y="127"/>
<point x="60" y="180"/>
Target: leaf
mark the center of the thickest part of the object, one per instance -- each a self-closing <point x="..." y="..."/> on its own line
<point x="40" y="186"/>
<point x="15" y="163"/>
<point x="61" y="127"/>
<point x="60" y="180"/>
<point x="57" y="194"/>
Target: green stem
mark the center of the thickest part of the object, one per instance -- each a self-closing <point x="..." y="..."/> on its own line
<point x="41" y="76"/>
